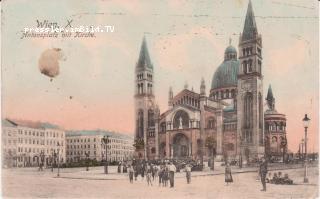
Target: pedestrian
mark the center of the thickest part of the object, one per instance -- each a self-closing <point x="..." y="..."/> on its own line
<point x="188" y="173"/>
<point x="148" y="175"/>
<point x="160" y="173"/>
<point x="172" y="170"/>
<point x="228" y="175"/>
<point x="142" y="171"/>
<point x="136" y="173"/>
<point x="165" y="176"/>
<point x="156" y="171"/>
<point x="131" y="171"/>
<point x="119" y="167"/>
<point x="263" y="173"/>
<point x="153" y="171"/>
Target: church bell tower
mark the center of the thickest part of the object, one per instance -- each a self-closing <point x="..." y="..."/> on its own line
<point x="144" y="103"/>
<point x="250" y="90"/>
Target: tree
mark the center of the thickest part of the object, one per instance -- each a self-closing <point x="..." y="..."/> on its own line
<point x="138" y="144"/>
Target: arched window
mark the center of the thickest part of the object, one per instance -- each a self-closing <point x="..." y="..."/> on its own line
<point x="211" y="124"/>
<point x="260" y="111"/>
<point x="250" y="65"/>
<point x="142" y="89"/>
<point x="163" y="127"/>
<point x="181" y="118"/>
<point x="248" y="113"/>
<point x="150" y="118"/>
<point x="140" y="132"/>
<point x="244" y="66"/>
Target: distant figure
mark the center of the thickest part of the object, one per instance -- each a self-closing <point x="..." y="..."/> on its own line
<point x="119" y="167"/>
<point x="188" y="173"/>
<point x="142" y="170"/>
<point x="149" y="173"/>
<point x="136" y="173"/>
<point x="275" y="179"/>
<point x="160" y="174"/>
<point x="228" y="176"/>
<point x="287" y="180"/>
<point x="131" y="174"/>
<point x="263" y="173"/>
<point x="125" y="168"/>
<point x="172" y="169"/>
<point x="165" y="176"/>
<point x="152" y="171"/>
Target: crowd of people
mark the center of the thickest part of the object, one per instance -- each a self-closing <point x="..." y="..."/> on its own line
<point x="162" y="173"/>
<point x="279" y="179"/>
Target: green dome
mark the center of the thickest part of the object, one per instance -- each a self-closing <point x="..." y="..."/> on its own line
<point x="226" y="75"/>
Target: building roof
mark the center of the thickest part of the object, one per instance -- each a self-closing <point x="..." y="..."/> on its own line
<point x="270" y="94"/>
<point x="230" y="49"/>
<point x="226" y="75"/>
<point x="30" y="124"/>
<point x="97" y="132"/>
<point x="144" y="61"/>
<point x="250" y="28"/>
<point x="8" y="123"/>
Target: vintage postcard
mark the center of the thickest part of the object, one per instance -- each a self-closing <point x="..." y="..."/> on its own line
<point x="159" y="99"/>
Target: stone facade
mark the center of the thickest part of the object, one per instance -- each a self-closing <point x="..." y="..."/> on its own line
<point x="231" y="115"/>
<point x="80" y="143"/>
<point x="24" y="143"/>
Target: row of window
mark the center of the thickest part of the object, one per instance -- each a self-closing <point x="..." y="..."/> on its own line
<point x="95" y="152"/>
<point x="141" y="89"/>
<point x="82" y="140"/>
<point x="247" y="66"/>
<point x="188" y="101"/>
<point x="141" y="76"/>
<point x="224" y="94"/>
<point x="249" y="51"/>
<point x="40" y="133"/>
<point x="34" y="150"/>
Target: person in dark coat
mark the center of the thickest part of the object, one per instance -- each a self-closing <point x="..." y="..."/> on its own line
<point x="160" y="174"/>
<point x="263" y="173"/>
<point x="131" y="173"/>
<point x="119" y="167"/>
<point x="228" y="175"/>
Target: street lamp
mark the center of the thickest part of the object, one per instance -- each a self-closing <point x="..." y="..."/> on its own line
<point x="87" y="161"/>
<point x="105" y="141"/>
<point x="306" y="122"/>
<point x="52" y="159"/>
<point x="58" y="149"/>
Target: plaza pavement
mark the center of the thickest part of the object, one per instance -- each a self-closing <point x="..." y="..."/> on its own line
<point x="78" y="183"/>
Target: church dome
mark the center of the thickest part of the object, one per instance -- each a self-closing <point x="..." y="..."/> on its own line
<point x="230" y="49"/>
<point x="227" y="72"/>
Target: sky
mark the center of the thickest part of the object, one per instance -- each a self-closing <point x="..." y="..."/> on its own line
<point x="186" y="40"/>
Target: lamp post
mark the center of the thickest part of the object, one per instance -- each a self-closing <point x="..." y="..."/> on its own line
<point x="105" y="141"/>
<point x="306" y="122"/>
<point x="52" y="158"/>
<point x="302" y="149"/>
<point x="58" y="149"/>
<point x="87" y="161"/>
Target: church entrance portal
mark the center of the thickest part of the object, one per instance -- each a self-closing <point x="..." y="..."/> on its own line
<point x="180" y="146"/>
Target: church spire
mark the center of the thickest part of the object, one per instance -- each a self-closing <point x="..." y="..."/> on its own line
<point x="270" y="99"/>
<point x="144" y="61"/>
<point x="250" y="28"/>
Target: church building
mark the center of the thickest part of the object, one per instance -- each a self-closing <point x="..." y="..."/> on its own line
<point x="229" y="121"/>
